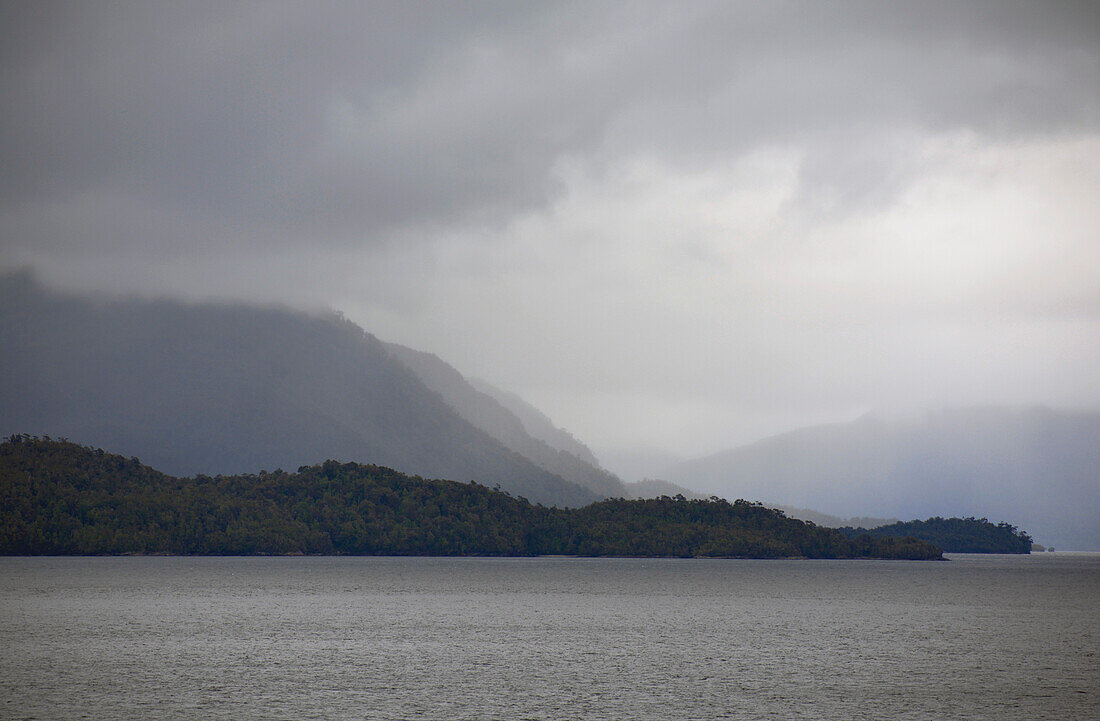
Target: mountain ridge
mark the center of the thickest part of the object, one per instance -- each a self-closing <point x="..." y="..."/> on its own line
<point x="537" y="424"/>
<point x="224" y="388"/>
<point x="484" y="411"/>
<point x="1035" y="465"/>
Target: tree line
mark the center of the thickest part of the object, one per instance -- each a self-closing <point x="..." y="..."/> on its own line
<point x="60" y="498"/>
<point x="955" y="535"/>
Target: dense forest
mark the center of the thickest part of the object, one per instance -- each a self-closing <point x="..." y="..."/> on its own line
<point x="61" y="498"/>
<point x="214" y="388"/>
<point x="954" y="535"/>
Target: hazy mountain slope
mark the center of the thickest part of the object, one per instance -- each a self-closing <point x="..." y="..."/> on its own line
<point x="655" y="488"/>
<point x="824" y="519"/>
<point x="536" y="423"/>
<point x="638" y="464"/>
<point x="1036" y="468"/>
<point x="225" y="389"/>
<point x="486" y="413"/>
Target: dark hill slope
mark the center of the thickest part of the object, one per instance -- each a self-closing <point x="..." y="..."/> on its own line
<point x="224" y="388"/>
<point x="491" y="416"/>
<point x="954" y="535"/>
<point x="61" y="498"/>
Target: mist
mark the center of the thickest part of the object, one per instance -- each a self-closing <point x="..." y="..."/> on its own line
<point x="674" y="228"/>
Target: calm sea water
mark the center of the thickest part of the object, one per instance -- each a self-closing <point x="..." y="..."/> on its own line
<point x="992" y="637"/>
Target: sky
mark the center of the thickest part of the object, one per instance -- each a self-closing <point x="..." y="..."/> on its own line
<point x="672" y="226"/>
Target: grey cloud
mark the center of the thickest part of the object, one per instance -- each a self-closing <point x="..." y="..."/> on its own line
<point x="215" y="109"/>
<point x="230" y="115"/>
<point x="461" y="178"/>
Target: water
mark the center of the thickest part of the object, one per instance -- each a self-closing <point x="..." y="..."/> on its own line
<point x="550" y="638"/>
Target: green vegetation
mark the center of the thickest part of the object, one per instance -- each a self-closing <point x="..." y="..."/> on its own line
<point x="954" y="535"/>
<point x="59" y="498"/>
<point x="215" y="388"/>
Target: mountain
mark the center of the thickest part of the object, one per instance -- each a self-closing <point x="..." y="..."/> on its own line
<point x="824" y="519"/>
<point x="484" y="411"/>
<point x="655" y="488"/>
<point x="536" y="423"/>
<point x="218" y="389"/>
<point x="638" y="464"/>
<point x="1034" y="467"/>
<point x="60" y="498"/>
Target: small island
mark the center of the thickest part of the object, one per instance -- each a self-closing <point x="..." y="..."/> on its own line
<point x="60" y="498"/>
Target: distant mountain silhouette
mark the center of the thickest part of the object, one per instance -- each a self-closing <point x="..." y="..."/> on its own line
<point x="655" y="488"/>
<point x="638" y="463"/>
<point x="536" y="423"/>
<point x="221" y="389"/>
<point x="490" y="415"/>
<point x="828" y="521"/>
<point x="1036" y="468"/>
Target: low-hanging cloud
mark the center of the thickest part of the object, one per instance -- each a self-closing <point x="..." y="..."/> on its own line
<point x="713" y="212"/>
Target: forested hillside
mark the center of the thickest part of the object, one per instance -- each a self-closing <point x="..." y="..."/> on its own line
<point x="216" y="388"/>
<point x="487" y="413"/>
<point x="58" y="497"/>
<point x="955" y="535"/>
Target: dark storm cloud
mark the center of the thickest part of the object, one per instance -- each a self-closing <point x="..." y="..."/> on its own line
<point x="216" y="110"/>
<point x="146" y="126"/>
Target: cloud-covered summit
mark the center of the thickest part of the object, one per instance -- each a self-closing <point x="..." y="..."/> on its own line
<point x="721" y="219"/>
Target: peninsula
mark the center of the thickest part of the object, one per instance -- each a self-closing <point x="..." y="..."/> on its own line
<point x="60" y="498"/>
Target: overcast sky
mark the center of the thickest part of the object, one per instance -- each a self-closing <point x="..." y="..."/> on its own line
<point x="677" y="226"/>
